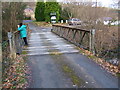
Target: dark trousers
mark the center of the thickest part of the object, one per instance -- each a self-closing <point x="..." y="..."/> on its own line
<point x="25" y="40"/>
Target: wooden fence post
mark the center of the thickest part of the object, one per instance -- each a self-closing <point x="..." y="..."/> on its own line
<point x="18" y="43"/>
<point x="10" y="42"/>
<point x="90" y="41"/>
<point x="93" y="41"/>
<point x="12" y="45"/>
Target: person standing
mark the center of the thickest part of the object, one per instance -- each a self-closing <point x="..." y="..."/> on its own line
<point x="23" y="32"/>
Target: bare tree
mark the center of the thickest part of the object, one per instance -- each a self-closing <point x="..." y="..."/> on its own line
<point x="11" y="16"/>
<point x="93" y="17"/>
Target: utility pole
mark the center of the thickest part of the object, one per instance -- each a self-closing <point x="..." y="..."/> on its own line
<point x="96" y="10"/>
<point x="93" y="30"/>
<point x="96" y="3"/>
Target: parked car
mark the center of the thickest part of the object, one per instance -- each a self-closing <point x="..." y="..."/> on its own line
<point x="74" y="21"/>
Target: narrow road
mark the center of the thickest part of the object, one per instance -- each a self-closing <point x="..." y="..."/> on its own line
<point x="56" y="63"/>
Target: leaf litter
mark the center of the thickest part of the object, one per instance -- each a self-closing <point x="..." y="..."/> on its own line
<point x="18" y="75"/>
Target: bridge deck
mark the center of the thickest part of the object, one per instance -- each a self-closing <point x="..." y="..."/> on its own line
<point x="48" y="55"/>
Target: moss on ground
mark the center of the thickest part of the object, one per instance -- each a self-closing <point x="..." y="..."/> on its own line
<point x="74" y="78"/>
<point x="55" y="53"/>
<point x="67" y="69"/>
<point x="118" y="75"/>
<point x="92" y="57"/>
<point x="24" y="52"/>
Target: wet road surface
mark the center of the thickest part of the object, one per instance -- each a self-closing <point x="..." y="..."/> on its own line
<point x="48" y="57"/>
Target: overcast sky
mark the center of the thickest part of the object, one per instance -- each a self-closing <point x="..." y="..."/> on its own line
<point x="105" y="3"/>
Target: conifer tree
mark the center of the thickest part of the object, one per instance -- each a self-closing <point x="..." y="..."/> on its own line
<point x="39" y="11"/>
<point x="52" y="7"/>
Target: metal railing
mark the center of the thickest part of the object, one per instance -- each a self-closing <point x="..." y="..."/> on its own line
<point x="79" y="37"/>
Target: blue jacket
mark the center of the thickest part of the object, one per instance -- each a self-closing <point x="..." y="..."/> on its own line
<point x="23" y="31"/>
